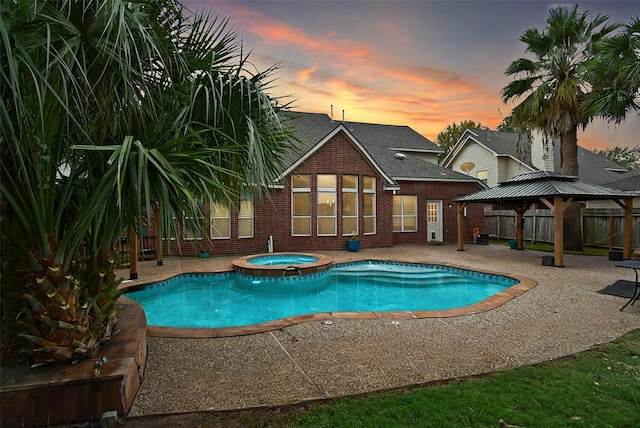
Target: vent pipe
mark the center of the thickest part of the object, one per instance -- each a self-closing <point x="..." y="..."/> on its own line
<point x="331" y="111"/>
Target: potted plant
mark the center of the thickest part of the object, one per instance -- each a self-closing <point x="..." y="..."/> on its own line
<point x="203" y="249"/>
<point x="353" y="244"/>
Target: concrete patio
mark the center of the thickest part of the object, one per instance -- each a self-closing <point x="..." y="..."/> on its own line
<point x="562" y="315"/>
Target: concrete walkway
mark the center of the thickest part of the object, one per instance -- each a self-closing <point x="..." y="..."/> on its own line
<point x="562" y="315"/>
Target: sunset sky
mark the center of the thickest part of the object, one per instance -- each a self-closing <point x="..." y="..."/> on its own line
<point x="425" y="64"/>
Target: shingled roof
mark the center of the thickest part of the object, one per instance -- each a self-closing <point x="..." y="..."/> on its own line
<point x="592" y="168"/>
<point x="380" y="142"/>
<point x="530" y="187"/>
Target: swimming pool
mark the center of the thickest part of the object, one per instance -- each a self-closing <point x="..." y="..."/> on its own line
<point x="233" y="299"/>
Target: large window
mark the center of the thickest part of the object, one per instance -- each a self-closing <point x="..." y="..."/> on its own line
<point x="245" y="218"/>
<point x="301" y="205"/>
<point x="220" y="221"/>
<point x="405" y="213"/>
<point x="369" y="205"/>
<point x="326" y="204"/>
<point x="350" y="205"/>
<point x="193" y="227"/>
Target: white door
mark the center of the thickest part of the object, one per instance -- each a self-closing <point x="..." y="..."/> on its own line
<point x="434" y="221"/>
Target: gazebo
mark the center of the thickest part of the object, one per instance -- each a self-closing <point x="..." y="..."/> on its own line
<point x="555" y="191"/>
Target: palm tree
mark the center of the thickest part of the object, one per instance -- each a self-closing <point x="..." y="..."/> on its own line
<point x="615" y="75"/>
<point x="555" y="85"/>
<point x="110" y="109"/>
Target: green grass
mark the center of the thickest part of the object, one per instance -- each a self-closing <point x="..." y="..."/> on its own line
<point x="597" y="388"/>
<point x="586" y="251"/>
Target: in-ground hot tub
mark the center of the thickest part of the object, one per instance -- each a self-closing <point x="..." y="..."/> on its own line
<point x="282" y="264"/>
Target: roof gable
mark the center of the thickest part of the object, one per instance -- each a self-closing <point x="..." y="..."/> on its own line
<point x="314" y="148"/>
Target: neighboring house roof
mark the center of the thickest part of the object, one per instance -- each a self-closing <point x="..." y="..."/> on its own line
<point x="379" y="143"/>
<point x="531" y="186"/>
<point x="500" y="143"/>
<point x="592" y="168"/>
<point x="629" y="181"/>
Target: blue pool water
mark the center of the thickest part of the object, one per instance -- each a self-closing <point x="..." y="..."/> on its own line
<point x="234" y="299"/>
<point x="282" y="260"/>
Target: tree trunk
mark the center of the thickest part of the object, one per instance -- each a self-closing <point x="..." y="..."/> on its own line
<point x="569" y="166"/>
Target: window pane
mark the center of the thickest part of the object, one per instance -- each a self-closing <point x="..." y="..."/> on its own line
<point x="326" y="226"/>
<point x="220" y="228"/>
<point x="397" y="224"/>
<point x="369" y="225"/>
<point x="301" y="205"/>
<point x="482" y="175"/>
<point x="301" y="226"/>
<point x="349" y="204"/>
<point x="326" y="181"/>
<point x="397" y="205"/>
<point x="246" y="208"/>
<point x="326" y="203"/>
<point x="368" y="204"/>
<point x="410" y="224"/>
<point x="369" y="183"/>
<point x="301" y="181"/>
<point x="219" y="210"/>
<point x="349" y="181"/>
<point x="245" y="228"/>
<point x="410" y="205"/>
<point x="349" y="225"/>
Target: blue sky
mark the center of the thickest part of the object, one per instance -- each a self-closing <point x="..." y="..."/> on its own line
<point x="425" y="64"/>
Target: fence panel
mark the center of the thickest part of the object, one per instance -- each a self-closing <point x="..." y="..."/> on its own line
<point x="600" y="227"/>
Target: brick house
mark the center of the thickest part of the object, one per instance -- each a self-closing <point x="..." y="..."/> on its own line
<point x="381" y="182"/>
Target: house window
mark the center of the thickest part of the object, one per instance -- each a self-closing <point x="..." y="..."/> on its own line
<point x="482" y="175"/>
<point x="405" y="213"/>
<point x="192" y="227"/>
<point x="326" y="205"/>
<point x="220" y="221"/>
<point x="369" y="205"/>
<point x="301" y="205"/>
<point x="350" y="204"/>
<point x="245" y="218"/>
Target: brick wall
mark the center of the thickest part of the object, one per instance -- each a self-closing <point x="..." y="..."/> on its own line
<point x="339" y="156"/>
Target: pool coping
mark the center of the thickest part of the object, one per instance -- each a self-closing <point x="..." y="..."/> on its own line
<point x="524" y="284"/>
<point x="243" y="266"/>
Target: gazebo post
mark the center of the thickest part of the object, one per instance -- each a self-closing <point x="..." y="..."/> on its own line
<point x="520" y="210"/>
<point x="627" y="237"/>
<point x="558" y="222"/>
<point x="557" y="207"/>
<point x="461" y="206"/>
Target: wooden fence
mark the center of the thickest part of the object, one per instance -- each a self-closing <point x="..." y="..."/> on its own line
<point x="600" y="227"/>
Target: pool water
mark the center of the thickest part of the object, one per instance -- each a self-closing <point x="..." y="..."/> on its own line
<point x="233" y="299"/>
<point x="282" y="260"/>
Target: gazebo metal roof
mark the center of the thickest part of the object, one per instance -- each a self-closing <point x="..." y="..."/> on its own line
<point x="556" y="191"/>
<point x="532" y="186"/>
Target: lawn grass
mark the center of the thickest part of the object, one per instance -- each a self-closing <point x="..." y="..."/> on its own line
<point x="596" y="388"/>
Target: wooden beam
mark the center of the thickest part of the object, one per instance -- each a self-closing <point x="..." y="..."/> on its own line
<point x="158" y="246"/>
<point x="133" y="253"/>
<point x="628" y="228"/>
<point x="461" y="206"/>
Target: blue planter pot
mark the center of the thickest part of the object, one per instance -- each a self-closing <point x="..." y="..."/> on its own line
<point x="353" y="246"/>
